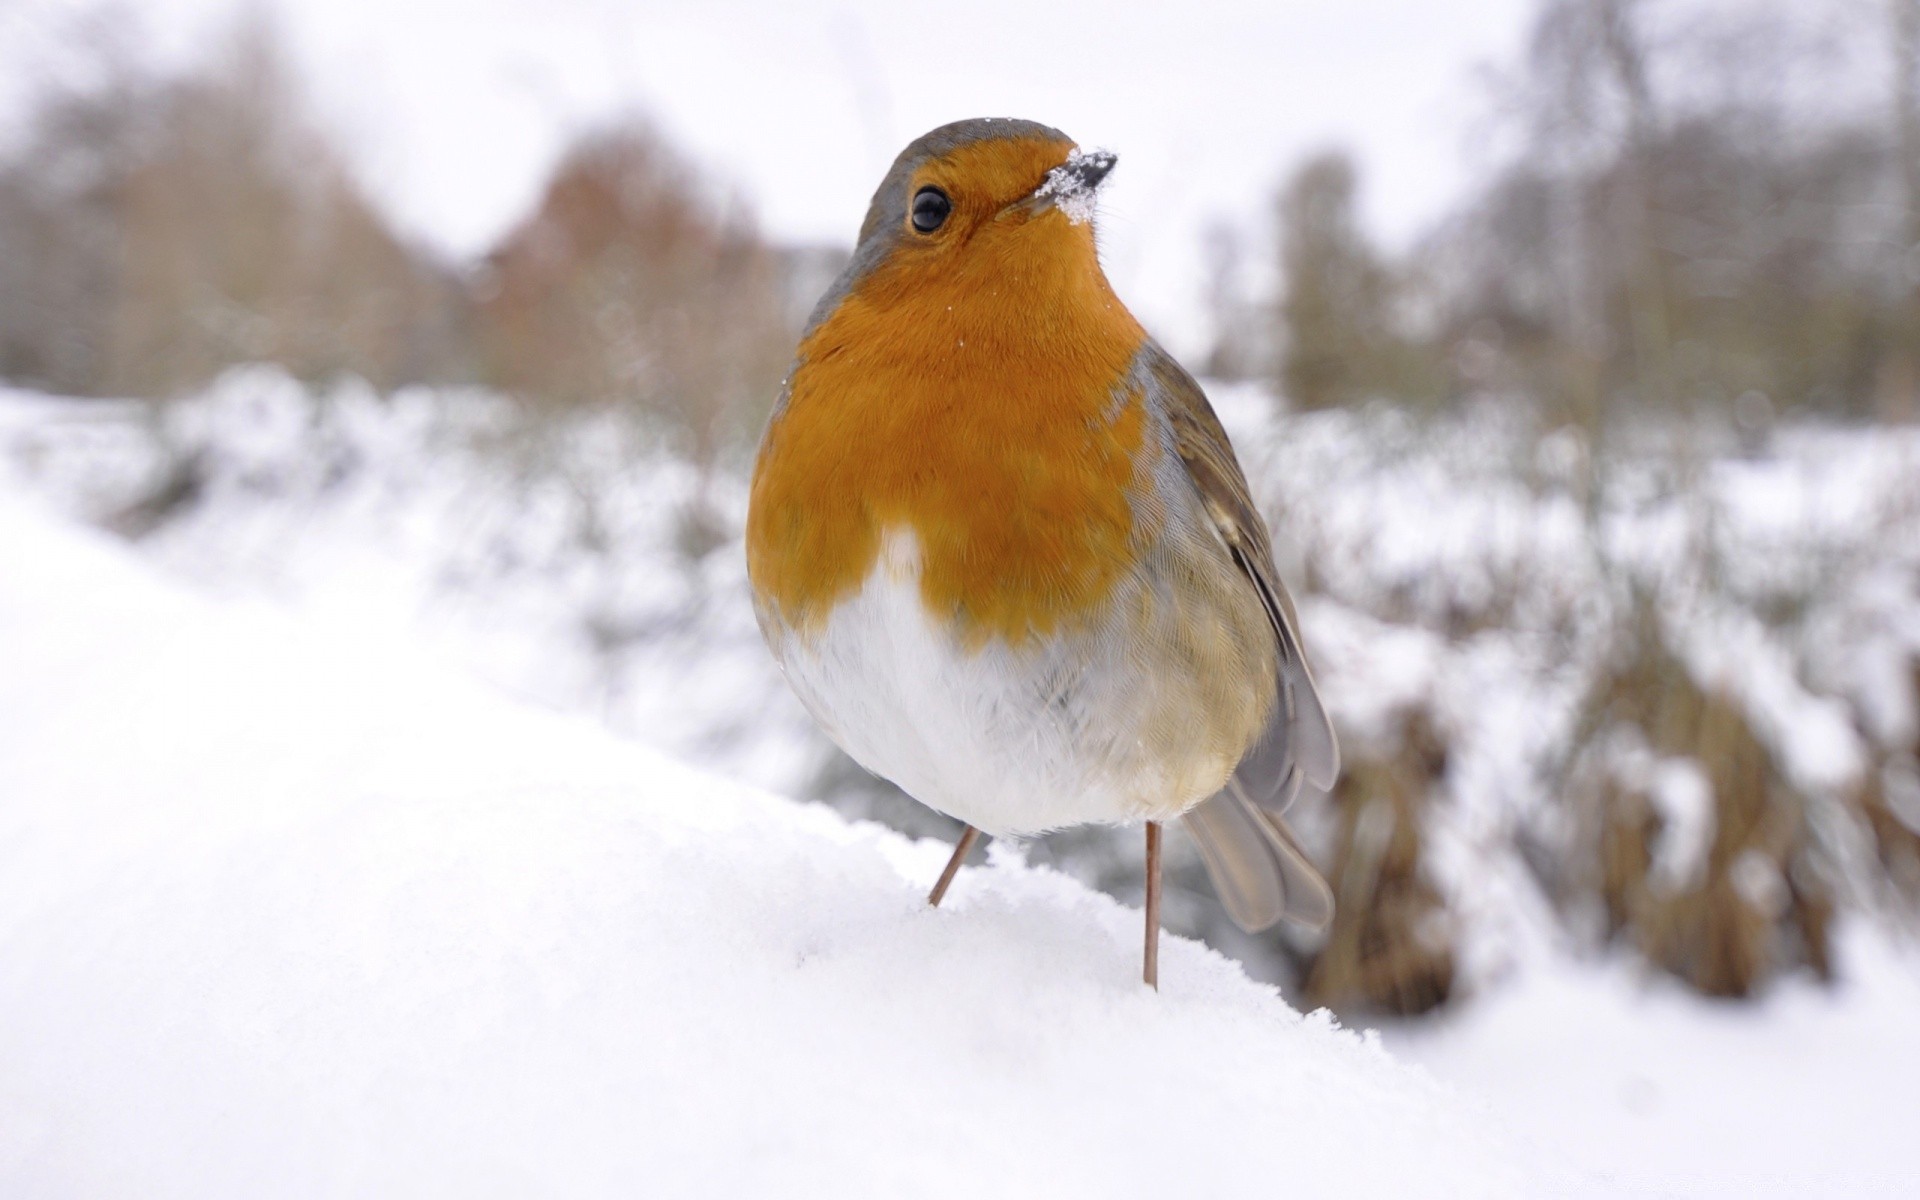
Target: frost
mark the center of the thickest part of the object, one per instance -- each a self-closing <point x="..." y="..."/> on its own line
<point x="1066" y="185"/>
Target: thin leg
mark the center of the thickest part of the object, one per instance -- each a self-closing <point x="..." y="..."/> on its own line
<point x="967" y="840"/>
<point x="1152" y="971"/>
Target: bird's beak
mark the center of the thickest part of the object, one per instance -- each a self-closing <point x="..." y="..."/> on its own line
<point x="1071" y="186"/>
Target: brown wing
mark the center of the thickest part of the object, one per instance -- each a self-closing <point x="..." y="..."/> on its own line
<point x="1255" y="862"/>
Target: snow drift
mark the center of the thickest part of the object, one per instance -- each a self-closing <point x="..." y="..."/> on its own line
<point x="284" y="912"/>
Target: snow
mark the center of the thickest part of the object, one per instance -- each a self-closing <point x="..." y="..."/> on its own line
<point x="1067" y="184"/>
<point x="289" y="912"/>
<point x="1683" y="797"/>
<point x="1807" y="1092"/>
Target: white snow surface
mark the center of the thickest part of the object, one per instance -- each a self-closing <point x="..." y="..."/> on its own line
<point x="1805" y="1092"/>
<point x="289" y="913"/>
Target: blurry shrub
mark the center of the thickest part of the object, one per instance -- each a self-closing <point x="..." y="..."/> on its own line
<point x="630" y="285"/>
<point x="1689" y="837"/>
<point x="154" y="232"/>
<point x="1889" y="801"/>
<point x="1680" y="707"/>
<point x="1390" y="946"/>
<point x="58" y="240"/>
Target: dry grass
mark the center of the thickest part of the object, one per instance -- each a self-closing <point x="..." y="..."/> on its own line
<point x="1759" y="899"/>
<point x="1390" y="946"/>
<point x="1896" y="843"/>
<point x="1889" y="804"/>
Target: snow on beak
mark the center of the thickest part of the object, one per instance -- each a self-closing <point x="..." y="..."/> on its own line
<point x="1073" y="186"/>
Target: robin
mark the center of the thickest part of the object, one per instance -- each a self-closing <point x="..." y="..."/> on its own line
<point x="1001" y="547"/>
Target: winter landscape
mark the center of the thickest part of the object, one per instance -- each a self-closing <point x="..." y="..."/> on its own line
<point x="396" y="796"/>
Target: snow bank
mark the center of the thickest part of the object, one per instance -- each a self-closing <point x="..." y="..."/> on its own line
<point x="284" y="913"/>
<point x="1806" y="1092"/>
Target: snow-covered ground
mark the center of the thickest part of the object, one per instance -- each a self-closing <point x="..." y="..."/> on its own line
<point x="1806" y="1092"/>
<point x="285" y="778"/>
<point x="288" y="914"/>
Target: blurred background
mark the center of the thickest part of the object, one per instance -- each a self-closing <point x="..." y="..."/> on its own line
<point x="1572" y="348"/>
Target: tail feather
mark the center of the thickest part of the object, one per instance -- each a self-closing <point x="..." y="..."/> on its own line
<point x="1258" y="867"/>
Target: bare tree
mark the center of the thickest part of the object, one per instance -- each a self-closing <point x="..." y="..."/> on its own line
<point x="1899" y="386"/>
<point x="1906" y="107"/>
<point x="1334" y="309"/>
<point x="1688" y="222"/>
<point x="59" y="204"/>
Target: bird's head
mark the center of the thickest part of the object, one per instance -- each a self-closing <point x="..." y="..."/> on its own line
<point x="986" y="199"/>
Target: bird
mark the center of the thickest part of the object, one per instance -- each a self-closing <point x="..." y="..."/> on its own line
<point x="1001" y="548"/>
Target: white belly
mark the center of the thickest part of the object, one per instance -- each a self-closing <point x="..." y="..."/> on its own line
<point x="1012" y="741"/>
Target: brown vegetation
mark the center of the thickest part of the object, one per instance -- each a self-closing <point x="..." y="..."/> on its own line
<point x="1889" y="803"/>
<point x="629" y="286"/>
<point x="1390" y="948"/>
<point x="155" y="232"/>
<point x="1726" y="916"/>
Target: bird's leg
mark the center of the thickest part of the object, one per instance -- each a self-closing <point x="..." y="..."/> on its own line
<point x="967" y="840"/>
<point x="1152" y="969"/>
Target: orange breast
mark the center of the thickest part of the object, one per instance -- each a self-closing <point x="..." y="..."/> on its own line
<point x="972" y="402"/>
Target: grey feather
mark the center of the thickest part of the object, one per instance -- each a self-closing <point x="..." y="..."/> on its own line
<point x="1257" y="866"/>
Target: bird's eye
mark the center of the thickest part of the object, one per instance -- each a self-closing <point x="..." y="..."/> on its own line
<point x="930" y="209"/>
